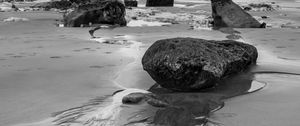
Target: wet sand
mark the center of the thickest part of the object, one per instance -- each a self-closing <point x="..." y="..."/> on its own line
<point x="279" y="67"/>
<point x="45" y="69"/>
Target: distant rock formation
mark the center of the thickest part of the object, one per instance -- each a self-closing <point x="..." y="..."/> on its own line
<point x="228" y="14"/>
<point x="190" y="64"/>
<point x="64" y="4"/>
<point x="131" y="3"/>
<point x="98" y="12"/>
<point x="261" y="7"/>
<point x="157" y="3"/>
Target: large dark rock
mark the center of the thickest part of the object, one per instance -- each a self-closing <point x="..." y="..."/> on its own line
<point x="228" y="14"/>
<point x="98" y="12"/>
<point x="190" y="64"/>
<point x="157" y="3"/>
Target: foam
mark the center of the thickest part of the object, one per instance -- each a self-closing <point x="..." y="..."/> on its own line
<point x="142" y="23"/>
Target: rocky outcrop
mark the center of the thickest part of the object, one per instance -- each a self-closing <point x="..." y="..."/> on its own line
<point x="228" y="14"/>
<point x="190" y="64"/>
<point x="157" y="3"/>
<point x="131" y="3"/>
<point x="98" y="12"/>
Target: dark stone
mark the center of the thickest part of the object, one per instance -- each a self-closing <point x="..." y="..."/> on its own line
<point x="264" y="17"/>
<point x="228" y="14"/>
<point x="99" y="12"/>
<point x="133" y="98"/>
<point x="160" y="3"/>
<point x="14" y="7"/>
<point x="131" y="3"/>
<point x="247" y="8"/>
<point x="151" y="99"/>
<point x="190" y="64"/>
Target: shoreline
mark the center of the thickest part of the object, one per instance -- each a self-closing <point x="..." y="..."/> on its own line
<point x="129" y="51"/>
<point x="126" y="77"/>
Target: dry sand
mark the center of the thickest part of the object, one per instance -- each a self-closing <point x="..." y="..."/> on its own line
<point x="44" y="69"/>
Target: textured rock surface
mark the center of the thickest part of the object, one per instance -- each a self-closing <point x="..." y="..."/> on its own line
<point x="186" y="64"/>
<point x="228" y="14"/>
<point x="99" y="12"/>
<point x="131" y="3"/>
<point x="133" y="98"/>
<point x="156" y="3"/>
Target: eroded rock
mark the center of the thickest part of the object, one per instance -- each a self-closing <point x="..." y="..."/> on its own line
<point x="190" y="64"/>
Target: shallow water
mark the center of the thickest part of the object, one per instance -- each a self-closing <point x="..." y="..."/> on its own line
<point x="275" y="105"/>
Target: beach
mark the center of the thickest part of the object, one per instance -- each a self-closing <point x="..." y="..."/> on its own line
<point x="46" y="69"/>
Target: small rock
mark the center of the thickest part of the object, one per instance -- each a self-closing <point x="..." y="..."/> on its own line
<point x="264" y="17"/>
<point x="133" y="98"/>
<point x="159" y="3"/>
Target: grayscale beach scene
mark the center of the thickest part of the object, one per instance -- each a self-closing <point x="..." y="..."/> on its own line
<point x="149" y="62"/>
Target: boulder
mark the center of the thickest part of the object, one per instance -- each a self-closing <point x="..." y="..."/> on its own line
<point x="162" y="3"/>
<point x="131" y="3"/>
<point x="98" y="12"/>
<point x="228" y="14"/>
<point x="190" y="64"/>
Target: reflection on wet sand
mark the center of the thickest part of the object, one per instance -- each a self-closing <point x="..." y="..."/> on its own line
<point x="196" y="107"/>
